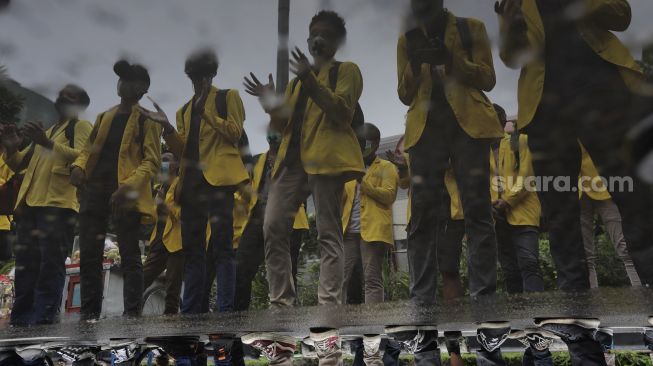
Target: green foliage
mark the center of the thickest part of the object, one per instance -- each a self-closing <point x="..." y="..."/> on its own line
<point x="10" y="105"/>
<point x="7" y="267"/>
<point x="260" y="293"/>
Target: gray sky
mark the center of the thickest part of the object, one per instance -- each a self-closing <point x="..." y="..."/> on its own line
<point x="47" y="44"/>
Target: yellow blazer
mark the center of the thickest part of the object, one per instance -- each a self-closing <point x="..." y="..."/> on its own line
<point x="47" y="177"/>
<point x="5" y="174"/>
<point x="594" y="187"/>
<point x="378" y="191"/>
<point x="603" y="17"/>
<point x="219" y="153"/>
<point x="328" y="143"/>
<point x="136" y="167"/>
<point x="463" y="83"/>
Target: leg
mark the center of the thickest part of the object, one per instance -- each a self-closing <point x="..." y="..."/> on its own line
<point x="296" y="241"/>
<point x="287" y="191"/>
<point x="155" y="263"/>
<point x="526" y="243"/>
<point x="508" y="257"/>
<point x="249" y="257"/>
<point x="450" y="245"/>
<point x="611" y="218"/>
<point x="391" y="354"/>
<point x="193" y="235"/>
<point x="174" y="281"/>
<point x="221" y="209"/>
<point x="327" y="196"/>
<point x="352" y="258"/>
<point x="373" y="255"/>
<point x="28" y="259"/>
<point x="485" y="358"/>
<point x="533" y="357"/>
<point x="52" y="276"/>
<point x="587" y="229"/>
<point x="127" y="229"/>
<point x="209" y="277"/>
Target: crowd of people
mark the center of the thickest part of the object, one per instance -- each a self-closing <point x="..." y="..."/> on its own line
<point x="466" y="166"/>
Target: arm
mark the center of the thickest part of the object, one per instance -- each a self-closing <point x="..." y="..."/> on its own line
<point x="232" y="127"/>
<point x="386" y="192"/>
<point x="409" y="74"/>
<point x="340" y="105"/>
<point x="151" y="162"/>
<point x="477" y="73"/>
<point x="69" y="154"/>
<point x="513" y="35"/>
<point x="280" y="115"/>
<point x="612" y="15"/>
<point x="15" y="161"/>
<point x="174" y="142"/>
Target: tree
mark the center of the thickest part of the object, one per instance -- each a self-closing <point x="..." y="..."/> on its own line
<point x="10" y="103"/>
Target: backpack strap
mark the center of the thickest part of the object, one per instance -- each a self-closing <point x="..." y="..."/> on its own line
<point x="333" y="75"/>
<point x="465" y="36"/>
<point x="69" y="132"/>
<point x="140" y="139"/>
<point x="295" y="81"/>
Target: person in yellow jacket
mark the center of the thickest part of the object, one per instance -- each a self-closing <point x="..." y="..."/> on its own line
<point x="444" y="64"/>
<point x="319" y="152"/>
<point x="114" y="172"/>
<point x="517" y="214"/>
<point x="595" y="199"/>
<point x="46" y="207"/>
<point x="367" y="217"/>
<point x="579" y="82"/>
<point x="251" y="249"/>
<point x="5" y="220"/>
<point x="209" y="128"/>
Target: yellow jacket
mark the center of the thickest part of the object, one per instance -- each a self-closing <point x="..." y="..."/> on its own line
<point x="243" y="207"/>
<point x="524" y="204"/>
<point x="172" y="231"/>
<point x="47" y="177"/>
<point x="590" y="180"/>
<point x="5" y="174"/>
<point x="328" y="143"/>
<point x="218" y="146"/>
<point x="378" y="191"/>
<point x="463" y="83"/>
<point x="136" y="166"/>
<point x="603" y="17"/>
<point x="456" y="206"/>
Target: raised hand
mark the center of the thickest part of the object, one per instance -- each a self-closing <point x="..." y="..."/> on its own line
<point x="299" y="65"/>
<point x="396" y="159"/>
<point x="35" y="132"/>
<point x="254" y="87"/>
<point x="159" y="116"/>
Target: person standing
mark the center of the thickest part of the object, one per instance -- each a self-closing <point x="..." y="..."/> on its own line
<point x="443" y="65"/>
<point x="579" y="82"/>
<point x="319" y="152"/>
<point x="5" y="220"/>
<point x="45" y="204"/>
<point x="367" y="217"/>
<point x="113" y="174"/>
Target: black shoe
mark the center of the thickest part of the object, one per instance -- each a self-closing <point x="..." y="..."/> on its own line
<point x="414" y="339"/>
<point x="491" y="335"/>
<point x="605" y="337"/>
<point x="537" y="339"/>
<point x="570" y="329"/>
<point x="222" y="346"/>
<point x="452" y="341"/>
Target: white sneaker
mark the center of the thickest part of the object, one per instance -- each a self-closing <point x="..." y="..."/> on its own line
<point x="371" y="346"/>
<point x="272" y="345"/>
<point x="326" y="343"/>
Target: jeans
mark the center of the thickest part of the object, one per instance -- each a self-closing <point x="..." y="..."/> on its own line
<point x="443" y="142"/>
<point x="600" y="119"/>
<point x="519" y="256"/>
<point x="158" y="261"/>
<point x="371" y="255"/>
<point x="94" y="215"/>
<point x="251" y="254"/>
<point x="212" y="205"/>
<point x="41" y="253"/>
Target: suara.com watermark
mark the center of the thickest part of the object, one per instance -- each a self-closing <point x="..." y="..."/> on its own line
<point x="535" y="183"/>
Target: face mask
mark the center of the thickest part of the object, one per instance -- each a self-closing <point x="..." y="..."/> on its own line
<point x="165" y="168"/>
<point x="317" y="45"/>
<point x="367" y="151"/>
<point x="68" y="109"/>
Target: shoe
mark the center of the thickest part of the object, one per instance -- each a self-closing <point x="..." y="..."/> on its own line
<point x="605" y="337"/>
<point x="79" y="353"/>
<point x="371" y="346"/>
<point x="453" y="340"/>
<point x="570" y="329"/>
<point x="326" y="341"/>
<point x="491" y="335"/>
<point x="222" y="345"/>
<point x="537" y="339"/>
<point x="31" y="354"/>
<point x="415" y="339"/>
<point x="308" y="348"/>
<point x="273" y="346"/>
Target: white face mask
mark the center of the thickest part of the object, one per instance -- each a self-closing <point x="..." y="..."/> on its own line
<point x="317" y="46"/>
<point x="71" y="110"/>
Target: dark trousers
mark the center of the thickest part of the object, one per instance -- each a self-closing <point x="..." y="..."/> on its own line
<point x="251" y="254"/>
<point x="5" y="246"/>
<point x="391" y="353"/>
<point x="599" y="118"/>
<point x="40" y="264"/>
<point x="214" y="205"/>
<point x="443" y="142"/>
<point x="95" y="213"/>
<point x="519" y="256"/>
<point x="537" y="358"/>
<point x="159" y="260"/>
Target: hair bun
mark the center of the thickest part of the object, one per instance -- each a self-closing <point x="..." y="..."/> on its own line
<point x="122" y="67"/>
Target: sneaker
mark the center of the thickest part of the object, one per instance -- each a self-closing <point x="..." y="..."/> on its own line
<point x="537" y="339"/>
<point x="326" y="342"/>
<point x="605" y="337"/>
<point x="222" y="345"/>
<point x="273" y="346"/>
<point x="31" y="354"/>
<point x="78" y="353"/>
<point x="308" y="348"/>
<point x="453" y="340"/>
<point x="491" y="335"/>
<point x="415" y="339"/>
<point x="371" y="346"/>
<point x="570" y="329"/>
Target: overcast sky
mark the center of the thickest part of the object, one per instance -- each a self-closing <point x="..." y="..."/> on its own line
<point x="46" y="44"/>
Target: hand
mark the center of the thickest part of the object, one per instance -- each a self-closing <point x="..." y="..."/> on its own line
<point x="396" y="159"/>
<point x="9" y="138"/>
<point x="159" y="117"/>
<point x="500" y="205"/>
<point x="35" y="132"/>
<point x="510" y="10"/>
<point x="200" y="96"/>
<point x="254" y="87"/>
<point x="121" y="197"/>
<point x="300" y="65"/>
<point x="77" y="177"/>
